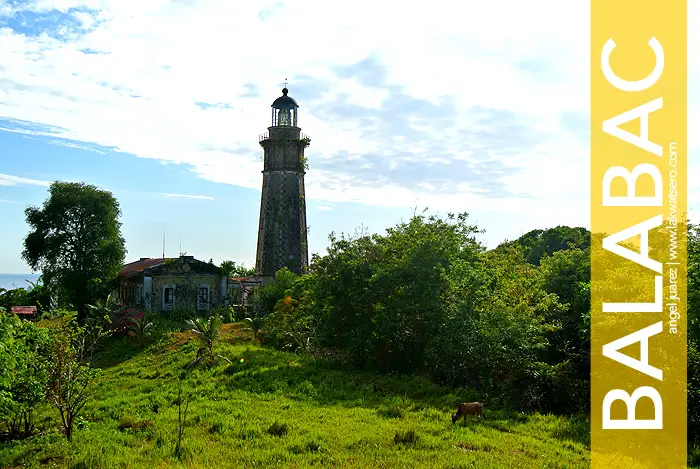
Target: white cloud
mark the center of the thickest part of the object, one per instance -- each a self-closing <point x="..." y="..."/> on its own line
<point x="187" y="196"/>
<point x="9" y="180"/>
<point x="159" y="58"/>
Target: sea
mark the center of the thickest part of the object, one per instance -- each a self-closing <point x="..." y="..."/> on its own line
<point x="10" y="281"/>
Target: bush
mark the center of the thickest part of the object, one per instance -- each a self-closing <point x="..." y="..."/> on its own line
<point x="223" y="311"/>
<point x="181" y="313"/>
<point x="24" y="352"/>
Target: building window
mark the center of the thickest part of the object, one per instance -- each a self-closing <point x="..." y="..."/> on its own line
<point x="233" y="294"/>
<point x="139" y="294"/>
<point x="203" y="297"/>
<point x="168" y="297"/>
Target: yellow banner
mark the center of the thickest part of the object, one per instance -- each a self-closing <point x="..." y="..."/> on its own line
<point x="638" y="226"/>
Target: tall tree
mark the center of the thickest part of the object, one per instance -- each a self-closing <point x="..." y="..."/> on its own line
<point x="76" y="241"/>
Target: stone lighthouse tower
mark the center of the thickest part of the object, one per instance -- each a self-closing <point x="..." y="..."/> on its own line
<point x="282" y="230"/>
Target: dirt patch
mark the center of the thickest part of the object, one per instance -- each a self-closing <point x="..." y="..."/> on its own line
<point x="228" y="328"/>
<point x="180" y="339"/>
<point x="235" y="332"/>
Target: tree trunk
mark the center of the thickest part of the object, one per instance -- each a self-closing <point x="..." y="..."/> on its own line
<point x="28" y="427"/>
<point x="69" y="427"/>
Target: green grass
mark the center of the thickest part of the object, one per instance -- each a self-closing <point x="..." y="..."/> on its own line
<point x="277" y="409"/>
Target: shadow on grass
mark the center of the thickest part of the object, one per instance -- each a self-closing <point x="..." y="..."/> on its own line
<point x="116" y="350"/>
<point x="119" y="347"/>
<point x="267" y="371"/>
<point x="262" y="371"/>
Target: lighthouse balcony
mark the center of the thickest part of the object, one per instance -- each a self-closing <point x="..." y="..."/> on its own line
<point x="262" y="138"/>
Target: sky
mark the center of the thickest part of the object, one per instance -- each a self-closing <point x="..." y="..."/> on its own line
<point x="478" y="107"/>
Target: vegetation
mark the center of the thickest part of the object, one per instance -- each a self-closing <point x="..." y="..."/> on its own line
<point x="24" y="372"/>
<point x="231" y="269"/>
<point x="255" y="325"/>
<point x="207" y="331"/>
<point x="427" y="299"/>
<point x="75" y="241"/>
<point x="36" y="294"/>
<point x="141" y="329"/>
<point x="278" y="409"/>
<point x="70" y="373"/>
<point x="357" y="363"/>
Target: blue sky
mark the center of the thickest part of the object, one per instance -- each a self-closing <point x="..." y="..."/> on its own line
<point x="162" y="102"/>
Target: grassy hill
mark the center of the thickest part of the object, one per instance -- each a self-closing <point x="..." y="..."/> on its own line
<point x="275" y="409"/>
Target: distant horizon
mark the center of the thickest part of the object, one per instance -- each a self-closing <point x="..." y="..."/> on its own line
<point x="14" y="281"/>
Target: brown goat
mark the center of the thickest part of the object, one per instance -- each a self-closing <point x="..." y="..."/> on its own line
<point x="473" y="408"/>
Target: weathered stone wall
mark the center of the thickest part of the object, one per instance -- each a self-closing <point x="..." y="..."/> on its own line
<point x="186" y="275"/>
<point x="186" y="287"/>
<point x="282" y="232"/>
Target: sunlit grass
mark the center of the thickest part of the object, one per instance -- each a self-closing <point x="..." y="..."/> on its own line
<point x="277" y="409"/>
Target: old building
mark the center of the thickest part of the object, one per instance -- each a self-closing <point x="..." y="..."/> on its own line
<point x="282" y="232"/>
<point x="163" y="284"/>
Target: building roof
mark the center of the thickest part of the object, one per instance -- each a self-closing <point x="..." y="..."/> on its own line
<point x="284" y="101"/>
<point x="23" y="310"/>
<point x="137" y="267"/>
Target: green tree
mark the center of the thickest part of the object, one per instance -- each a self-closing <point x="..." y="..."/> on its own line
<point x="383" y="298"/>
<point x="495" y="334"/>
<point x="71" y="374"/>
<point x="567" y="273"/>
<point x="266" y="297"/>
<point x="75" y="240"/>
<point x="231" y="269"/>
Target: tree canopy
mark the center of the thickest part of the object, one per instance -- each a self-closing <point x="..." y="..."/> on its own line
<point x="538" y="243"/>
<point x="76" y="242"/>
<point x="231" y="269"/>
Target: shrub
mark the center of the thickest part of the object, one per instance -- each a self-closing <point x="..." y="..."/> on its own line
<point x="24" y="351"/>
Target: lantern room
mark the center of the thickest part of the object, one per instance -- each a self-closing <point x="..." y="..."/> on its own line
<point x="284" y="111"/>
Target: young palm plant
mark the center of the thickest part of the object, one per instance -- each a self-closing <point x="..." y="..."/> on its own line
<point x="107" y="311"/>
<point x="207" y="330"/>
<point x="255" y="325"/>
<point x="141" y="329"/>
